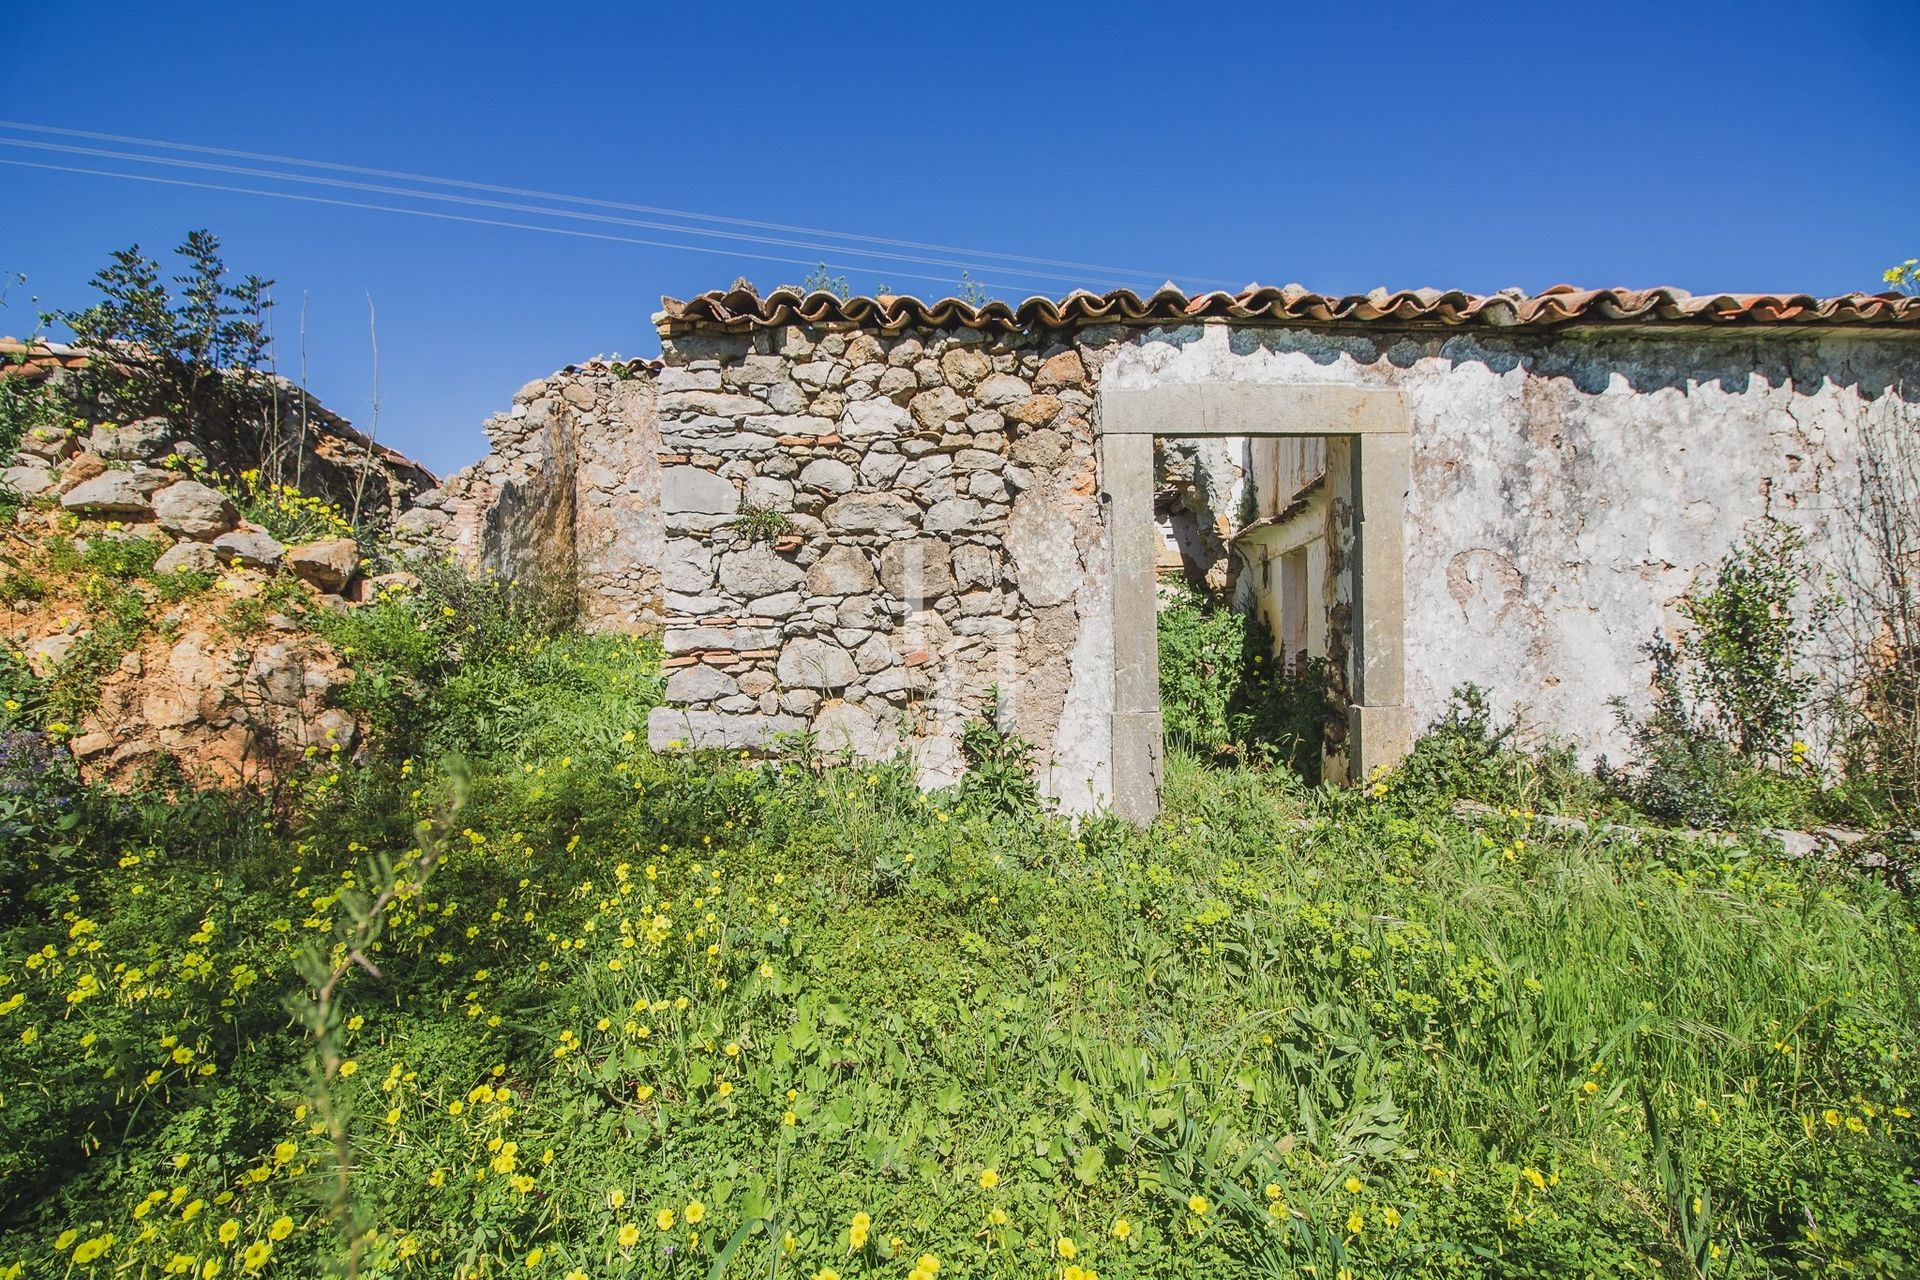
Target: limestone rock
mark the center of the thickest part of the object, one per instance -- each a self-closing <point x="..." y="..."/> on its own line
<point x="767" y="492"/>
<point x="110" y="493"/>
<point x="670" y="727"/>
<point x="758" y="571"/>
<point x="193" y="510"/>
<point x="1001" y="389"/>
<point x="815" y="664"/>
<point x="421" y="524"/>
<point x="27" y="480"/>
<point x="872" y="513"/>
<point x="963" y="367"/>
<point x="186" y="557"/>
<point x="846" y="727"/>
<point x="875" y="417"/>
<point x="1035" y="410"/>
<point x="917" y="569"/>
<point x="934" y="409"/>
<point x="952" y="514"/>
<point x="1046" y="561"/>
<point x="687" y="566"/>
<point x="140" y="441"/>
<point x="700" y="683"/>
<point x="842" y="571"/>
<point x="249" y="547"/>
<point x="1063" y="370"/>
<point x="328" y="564"/>
<point x="827" y="475"/>
<point x="975" y="566"/>
<point x="49" y="443"/>
<point x="697" y="491"/>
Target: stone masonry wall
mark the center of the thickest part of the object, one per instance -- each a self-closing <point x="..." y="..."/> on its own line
<point x="860" y="534"/>
<point x="939" y="488"/>
<point x="567" y="495"/>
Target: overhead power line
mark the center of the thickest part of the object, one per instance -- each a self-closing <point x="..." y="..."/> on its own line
<point x="473" y="221"/>
<point x="971" y="257"/>
<point x="514" y="207"/>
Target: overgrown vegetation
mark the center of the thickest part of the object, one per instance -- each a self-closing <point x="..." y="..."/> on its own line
<point x="1225" y="697"/>
<point x="509" y="994"/>
<point x="1721" y="746"/>
<point x="645" y="1015"/>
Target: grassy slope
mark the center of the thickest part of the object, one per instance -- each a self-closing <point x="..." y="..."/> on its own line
<point x="1529" y="1056"/>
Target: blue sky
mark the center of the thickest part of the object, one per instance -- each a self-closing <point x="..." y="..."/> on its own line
<point x="1756" y="146"/>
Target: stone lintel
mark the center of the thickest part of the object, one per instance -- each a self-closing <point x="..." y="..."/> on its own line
<point x="1251" y="409"/>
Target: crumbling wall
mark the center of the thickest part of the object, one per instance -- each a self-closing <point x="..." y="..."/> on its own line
<point x="859" y="534"/>
<point x="941" y="539"/>
<point x="1569" y="487"/>
<point x="567" y="497"/>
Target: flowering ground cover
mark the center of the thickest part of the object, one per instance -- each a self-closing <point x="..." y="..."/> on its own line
<point x="555" y="1006"/>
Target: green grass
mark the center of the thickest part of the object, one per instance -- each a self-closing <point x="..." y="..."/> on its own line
<point x="1284" y="1032"/>
<point x="1273" y="989"/>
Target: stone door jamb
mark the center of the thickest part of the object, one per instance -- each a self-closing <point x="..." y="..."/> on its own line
<point x="1375" y="421"/>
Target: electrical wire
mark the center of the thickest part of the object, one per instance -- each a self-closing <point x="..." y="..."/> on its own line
<point x="474" y="221"/>
<point x="974" y="255"/>
<point x="511" y="207"/>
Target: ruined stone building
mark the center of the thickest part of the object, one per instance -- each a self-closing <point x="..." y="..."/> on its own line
<point x="859" y="516"/>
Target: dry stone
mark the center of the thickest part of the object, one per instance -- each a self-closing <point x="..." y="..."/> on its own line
<point x="27" y="480"/>
<point x="697" y="491"/>
<point x="1002" y="389"/>
<point x="864" y="419"/>
<point x="328" y="564"/>
<point x="815" y="664"/>
<point x="140" y="441"/>
<point x="828" y="475"/>
<point x="952" y="515"/>
<point x="252" y="548"/>
<point x="193" y="510"/>
<point x="671" y="727"/>
<point x="842" y="571"/>
<point x="1046" y="561"/>
<point x="187" y="557"/>
<point x="872" y="513"/>
<point x="112" y="493"/>
<point x="758" y="571"/>
<point x="934" y="409"/>
<point x="700" y="683"/>
<point x="687" y="565"/>
<point x="917" y="569"/>
<point x="848" y="727"/>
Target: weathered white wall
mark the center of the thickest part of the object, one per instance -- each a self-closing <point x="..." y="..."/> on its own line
<point x="1568" y="489"/>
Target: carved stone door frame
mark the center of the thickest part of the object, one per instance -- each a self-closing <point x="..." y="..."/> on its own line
<point x="1374" y="422"/>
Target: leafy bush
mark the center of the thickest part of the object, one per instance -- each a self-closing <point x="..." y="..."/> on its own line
<point x="184" y="357"/>
<point x="1745" y="650"/>
<point x="288" y="514"/>
<point x="760" y="524"/>
<point x="999" y="777"/>
<point x="1717" y="747"/>
<point x="468" y="664"/>
<point x="1222" y="696"/>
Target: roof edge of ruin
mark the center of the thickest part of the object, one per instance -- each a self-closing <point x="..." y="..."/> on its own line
<point x="742" y="310"/>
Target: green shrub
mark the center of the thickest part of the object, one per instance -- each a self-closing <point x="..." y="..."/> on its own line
<point x="1222" y="695"/>
<point x="1746" y="646"/>
<point x="760" y="524"/>
<point x="467" y="664"/>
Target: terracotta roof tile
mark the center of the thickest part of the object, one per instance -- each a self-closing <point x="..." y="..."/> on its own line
<point x="742" y="309"/>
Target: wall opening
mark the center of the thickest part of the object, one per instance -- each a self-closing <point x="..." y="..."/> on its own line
<point x="1367" y="479"/>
